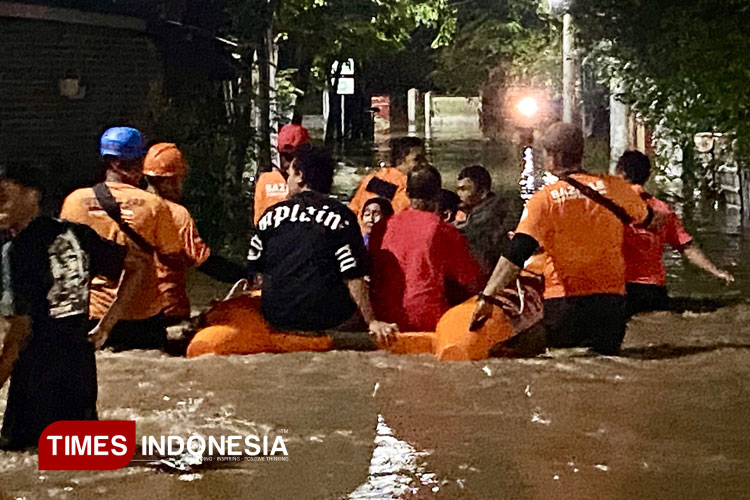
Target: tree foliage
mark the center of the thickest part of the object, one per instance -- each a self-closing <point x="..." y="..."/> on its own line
<point x="683" y="62"/>
<point x="517" y="39"/>
<point x="365" y="30"/>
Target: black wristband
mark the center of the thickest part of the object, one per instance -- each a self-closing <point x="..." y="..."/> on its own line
<point x="522" y="246"/>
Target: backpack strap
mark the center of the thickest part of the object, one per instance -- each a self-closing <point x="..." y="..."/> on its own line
<point x="108" y="203"/>
<point x="599" y="198"/>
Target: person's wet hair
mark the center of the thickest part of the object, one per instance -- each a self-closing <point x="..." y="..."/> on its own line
<point x="316" y="166"/>
<point x="385" y="206"/>
<point x="635" y="166"/>
<point x="478" y="175"/>
<point x="28" y="176"/>
<point x="424" y="183"/>
<point x="400" y="147"/>
<point x="565" y="142"/>
<point x="448" y="201"/>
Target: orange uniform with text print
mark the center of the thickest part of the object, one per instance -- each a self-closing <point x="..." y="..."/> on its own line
<point x="388" y="183"/>
<point x="150" y="217"/>
<point x="269" y="190"/>
<point x="172" y="286"/>
<point x="582" y="240"/>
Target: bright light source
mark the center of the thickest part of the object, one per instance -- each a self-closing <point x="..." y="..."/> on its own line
<point x="528" y="107"/>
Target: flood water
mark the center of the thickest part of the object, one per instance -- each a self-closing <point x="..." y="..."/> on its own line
<point x="666" y="420"/>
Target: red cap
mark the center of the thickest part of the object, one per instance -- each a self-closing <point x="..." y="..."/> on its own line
<point x="292" y="136"/>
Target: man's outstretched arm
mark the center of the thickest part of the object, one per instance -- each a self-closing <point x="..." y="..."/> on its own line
<point x="696" y="257"/>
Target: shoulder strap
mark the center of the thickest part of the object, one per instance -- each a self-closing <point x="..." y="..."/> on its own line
<point x="599" y="198"/>
<point x="109" y="204"/>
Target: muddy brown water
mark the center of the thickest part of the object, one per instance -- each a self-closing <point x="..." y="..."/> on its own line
<point x="668" y="419"/>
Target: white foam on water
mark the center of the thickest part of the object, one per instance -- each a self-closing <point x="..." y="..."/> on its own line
<point x="189" y="478"/>
<point x="538" y="418"/>
<point x="396" y="469"/>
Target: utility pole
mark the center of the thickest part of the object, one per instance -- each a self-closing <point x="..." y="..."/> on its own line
<point x="570" y="75"/>
<point x="618" y="123"/>
<point x="569" y="63"/>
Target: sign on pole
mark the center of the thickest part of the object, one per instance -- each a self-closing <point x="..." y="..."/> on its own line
<point x="346" y="77"/>
<point x="347" y="68"/>
<point x="345" y="86"/>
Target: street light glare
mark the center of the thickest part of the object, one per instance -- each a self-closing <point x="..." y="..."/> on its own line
<point x="528" y="106"/>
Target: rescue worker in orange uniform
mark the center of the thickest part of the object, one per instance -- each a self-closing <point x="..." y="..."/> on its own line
<point x="165" y="169"/>
<point x="584" y="273"/>
<point x="149" y="227"/>
<point x="271" y="188"/>
<point x="645" y="272"/>
<point x="390" y="182"/>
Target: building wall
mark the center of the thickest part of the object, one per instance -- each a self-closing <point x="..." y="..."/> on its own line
<point x="37" y="124"/>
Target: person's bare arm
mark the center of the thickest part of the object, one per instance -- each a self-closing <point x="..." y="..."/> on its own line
<point x="505" y="272"/>
<point x="696" y="257"/>
<point x="17" y="330"/>
<point x="383" y="332"/>
<point x="131" y="282"/>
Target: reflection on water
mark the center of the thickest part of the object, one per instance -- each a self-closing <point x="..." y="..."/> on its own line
<point x="396" y="469"/>
<point x="666" y="420"/>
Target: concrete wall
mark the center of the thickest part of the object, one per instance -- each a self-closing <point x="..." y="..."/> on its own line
<point x="115" y="64"/>
<point x="456" y="117"/>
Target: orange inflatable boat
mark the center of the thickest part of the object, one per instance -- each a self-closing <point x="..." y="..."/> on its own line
<point x="239" y="328"/>
<point x="236" y="326"/>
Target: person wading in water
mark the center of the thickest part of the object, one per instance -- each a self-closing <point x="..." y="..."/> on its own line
<point x="48" y="351"/>
<point x="579" y="222"/>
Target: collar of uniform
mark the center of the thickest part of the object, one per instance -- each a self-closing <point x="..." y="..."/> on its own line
<point x="112" y="184"/>
<point x="575" y="172"/>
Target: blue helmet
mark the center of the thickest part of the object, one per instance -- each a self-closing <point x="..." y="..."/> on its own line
<point x="125" y="143"/>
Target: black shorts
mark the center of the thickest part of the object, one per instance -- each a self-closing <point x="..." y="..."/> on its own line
<point x="594" y="321"/>
<point x="642" y="298"/>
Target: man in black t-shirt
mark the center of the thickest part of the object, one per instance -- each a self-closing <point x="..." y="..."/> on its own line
<point x="45" y="267"/>
<point x="311" y="254"/>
